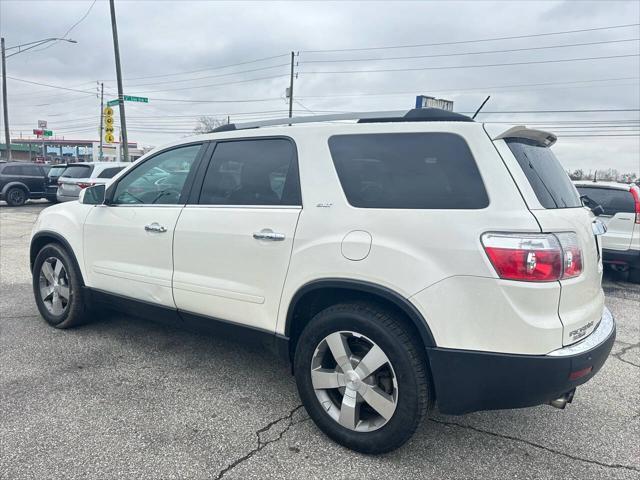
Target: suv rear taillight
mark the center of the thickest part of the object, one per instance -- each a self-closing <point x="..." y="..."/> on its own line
<point x="534" y="257"/>
<point x="84" y="185"/>
<point x="635" y="191"/>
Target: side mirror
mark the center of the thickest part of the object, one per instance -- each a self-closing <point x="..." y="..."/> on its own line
<point x="93" y="195"/>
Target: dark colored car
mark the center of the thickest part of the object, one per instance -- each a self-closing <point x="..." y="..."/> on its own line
<point x="20" y="181"/>
<point x="51" y="182"/>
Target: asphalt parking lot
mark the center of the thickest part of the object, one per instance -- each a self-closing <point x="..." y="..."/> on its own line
<point x="123" y="397"/>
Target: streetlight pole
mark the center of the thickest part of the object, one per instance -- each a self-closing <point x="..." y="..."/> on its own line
<point x="5" y="106"/>
<point x="116" y="48"/>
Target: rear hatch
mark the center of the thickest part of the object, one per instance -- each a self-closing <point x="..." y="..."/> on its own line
<point x="556" y="205"/>
<point x="74" y="179"/>
<point x="619" y="213"/>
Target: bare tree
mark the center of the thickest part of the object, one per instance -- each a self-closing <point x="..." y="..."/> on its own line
<point x="207" y="124"/>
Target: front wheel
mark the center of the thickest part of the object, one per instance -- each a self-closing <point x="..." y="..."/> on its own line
<point x="57" y="288"/>
<point x="362" y="377"/>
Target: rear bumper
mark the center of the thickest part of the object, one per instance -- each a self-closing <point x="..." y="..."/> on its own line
<point x="622" y="257"/>
<point x="467" y="381"/>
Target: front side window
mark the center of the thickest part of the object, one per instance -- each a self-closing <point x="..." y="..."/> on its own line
<point x="143" y="186"/>
<point x="252" y="172"/>
<point x="408" y="171"/>
<point x="549" y="181"/>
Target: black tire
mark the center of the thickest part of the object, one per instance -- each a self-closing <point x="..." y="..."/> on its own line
<point x="405" y="354"/>
<point x="16" y="196"/>
<point x="634" y="275"/>
<point x="76" y="309"/>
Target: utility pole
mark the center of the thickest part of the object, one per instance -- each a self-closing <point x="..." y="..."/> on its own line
<point x="101" y="119"/>
<point x="291" y="87"/>
<point x="123" y="123"/>
<point x="7" y="138"/>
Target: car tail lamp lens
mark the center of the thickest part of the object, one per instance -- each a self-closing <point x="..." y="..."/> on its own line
<point x="84" y="184"/>
<point x="635" y="191"/>
<point x="571" y="255"/>
<point x="534" y="257"/>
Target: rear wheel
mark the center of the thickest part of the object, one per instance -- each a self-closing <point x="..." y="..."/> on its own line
<point x="362" y="377"/>
<point x="57" y="288"/>
<point x="16" y="196"/>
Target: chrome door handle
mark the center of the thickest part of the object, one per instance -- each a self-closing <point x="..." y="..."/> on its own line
<point x="267" y="234"/>
<point x="155" y="227"/>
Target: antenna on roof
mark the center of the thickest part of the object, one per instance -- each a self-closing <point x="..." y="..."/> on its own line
<point x="480" y="107"/>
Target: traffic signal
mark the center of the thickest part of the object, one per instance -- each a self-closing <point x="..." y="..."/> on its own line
<point x="108" y="125"/>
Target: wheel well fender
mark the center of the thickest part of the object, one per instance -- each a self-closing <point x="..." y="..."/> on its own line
<point x="21" y="185"/>
<point x="319" y="294"/>
<point x="42" y="238"/>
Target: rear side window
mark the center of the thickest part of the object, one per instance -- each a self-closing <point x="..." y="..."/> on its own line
<point x="252" y="172"/>
<point x="610" y="199"/>
<point x="408" y="170"/>
<point x="77" y="171"/>
<point x="11" y="170"/>
<point x="109" y="172"/>
<point x="25" y="170"/>
<point x="549" y="181"/>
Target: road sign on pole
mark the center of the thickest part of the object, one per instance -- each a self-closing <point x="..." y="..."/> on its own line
<point x="108" y="124"/>
<point x="128" y="98"/>
<point x="42" y="124"/>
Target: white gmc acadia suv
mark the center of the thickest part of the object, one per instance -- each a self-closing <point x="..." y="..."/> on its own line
<point x="404" y="260"/>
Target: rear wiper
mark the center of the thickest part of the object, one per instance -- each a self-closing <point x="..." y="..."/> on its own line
<point x="595" y="207"/>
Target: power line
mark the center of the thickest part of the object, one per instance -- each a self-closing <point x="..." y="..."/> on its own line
<point x="70" y="28"/>
<point x="491" y="39"/>
<point x="205" y="69"/>
<point x="214" y="84"/>
<point x="50" y="86"/>
<point x="411" y="57"/>
<point x="535" y="62"/>
<point x="212" y="76"/>
<point x="544" y="84"/>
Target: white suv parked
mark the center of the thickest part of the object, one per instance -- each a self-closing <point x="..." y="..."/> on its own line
<point x="620" y="204"/>
<point x="80" y="175"/>
<point x="401" y="261"/>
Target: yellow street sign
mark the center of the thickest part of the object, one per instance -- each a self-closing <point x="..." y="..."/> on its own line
<point x="109" y="138"/>
<point x="108" y="111"/>
<point x="108" y="121"/>
<point x="108" y="129"/>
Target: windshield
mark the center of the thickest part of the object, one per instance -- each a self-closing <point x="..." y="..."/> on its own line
<point x="77" y="171"/>
<point x="546" y="176"/>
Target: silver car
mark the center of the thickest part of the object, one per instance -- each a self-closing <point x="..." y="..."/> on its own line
<point x="78" y="176"/>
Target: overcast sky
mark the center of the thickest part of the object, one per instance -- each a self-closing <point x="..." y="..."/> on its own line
<point x="179" y="47"/>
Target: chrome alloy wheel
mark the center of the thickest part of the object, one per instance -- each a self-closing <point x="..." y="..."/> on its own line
<point x="354" y="381"/>
<point x="54" y="286"/>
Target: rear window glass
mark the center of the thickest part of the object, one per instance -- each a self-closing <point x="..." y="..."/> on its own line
<point x="109" y="172"/>
<point x="408" y="171"/>
<point x="548" y="179"/>
<point x="610" y="199"/>
<point x="77" y="171"/>
<point x="56" y="171"/>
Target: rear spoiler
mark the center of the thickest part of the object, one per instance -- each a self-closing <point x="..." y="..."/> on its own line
<point x="544" y="139"/>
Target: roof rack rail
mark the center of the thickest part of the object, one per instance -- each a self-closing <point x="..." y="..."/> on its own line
<point x="413" y="115"/>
